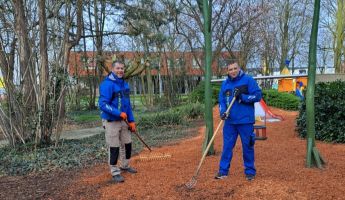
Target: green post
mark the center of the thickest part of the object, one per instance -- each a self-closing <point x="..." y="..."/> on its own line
<point x="313" y="156"/>
<point x="206" y="9"/>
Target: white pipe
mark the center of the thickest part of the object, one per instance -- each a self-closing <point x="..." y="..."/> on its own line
<point x="267" y="77"/>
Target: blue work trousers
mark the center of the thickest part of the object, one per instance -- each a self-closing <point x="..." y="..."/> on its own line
<point x="230" y="134"/>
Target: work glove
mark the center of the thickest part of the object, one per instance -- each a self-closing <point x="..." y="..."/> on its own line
<point x="123" y="116"/>
<point x="236" y="93"/>
<point x="131" y="127"/>
<point x="223" y="116"/>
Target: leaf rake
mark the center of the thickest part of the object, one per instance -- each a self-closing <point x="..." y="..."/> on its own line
<point x="149" y="157"/>
<point x="192" y="182"/>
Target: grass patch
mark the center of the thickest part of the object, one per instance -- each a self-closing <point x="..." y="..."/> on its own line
<point x="84" y="116"/>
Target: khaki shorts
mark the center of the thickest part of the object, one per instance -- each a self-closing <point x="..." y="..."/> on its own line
<point x="116" y="133"/>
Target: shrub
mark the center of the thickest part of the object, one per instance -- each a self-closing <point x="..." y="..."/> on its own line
<point x="282" y="100"/>
<point x="198" y="94"/>
<point x="329" y="113"/>
<point x="173" y="116"/>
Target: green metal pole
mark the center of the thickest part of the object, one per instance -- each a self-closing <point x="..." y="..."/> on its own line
<point x="206" y="8"/>
<point x="310" y="107"/>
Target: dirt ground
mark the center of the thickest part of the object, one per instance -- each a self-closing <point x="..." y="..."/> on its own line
<point x="280" y="163"/>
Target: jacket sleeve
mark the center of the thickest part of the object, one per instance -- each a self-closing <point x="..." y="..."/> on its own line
<point x="129" y="111"/>
<point x="254" y="92"/>
<point x="105" y="98"/>
<point x="221" y="100"/>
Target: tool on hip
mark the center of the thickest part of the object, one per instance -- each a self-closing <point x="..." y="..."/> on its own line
<point x="192" y="182"/>
<point x="151" y="156"/>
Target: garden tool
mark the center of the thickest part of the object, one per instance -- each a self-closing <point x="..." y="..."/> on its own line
<point x="151" y="156"/>
<point x="193" y="180"/>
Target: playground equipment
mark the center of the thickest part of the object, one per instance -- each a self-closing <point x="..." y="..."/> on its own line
<point x="192" y="182"/>
<point x="262" y="115"/>
<point x="288" y="84"/>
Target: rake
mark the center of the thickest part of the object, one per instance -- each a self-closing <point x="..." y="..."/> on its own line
<point x="151" y="156"/>
<point x="192" y="182"/>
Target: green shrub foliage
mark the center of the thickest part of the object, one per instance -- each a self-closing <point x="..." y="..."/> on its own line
<point x="198" y="94"/>
<point x="329" y="113"/>
<point x="281" y="100"/>
<point x="174" y="116"/>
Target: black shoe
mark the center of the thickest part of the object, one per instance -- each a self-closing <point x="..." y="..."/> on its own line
<point x="129" y="170"/>
<point x="250" y="177"/>
<point x="118" y="178"/>
<point x="220" y="176"/>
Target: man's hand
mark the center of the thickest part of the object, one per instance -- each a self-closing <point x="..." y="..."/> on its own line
<point x="223" y="116"/>
<point x="236" y="93"/>
<point x="132" y="127"/>
<point x="123" y="116"/>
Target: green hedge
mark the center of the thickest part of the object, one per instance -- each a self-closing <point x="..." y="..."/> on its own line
<point x="174" y="116"/>
<point x="329" y="113"/>
<point x="281" y="100"/>
<point x="198" y="94"/>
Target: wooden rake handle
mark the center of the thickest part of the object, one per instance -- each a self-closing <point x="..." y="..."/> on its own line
<point x="139" y="137"/>
<point x="213" y="137"/>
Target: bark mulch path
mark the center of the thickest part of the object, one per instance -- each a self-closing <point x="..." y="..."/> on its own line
<point x="280" y="163"/>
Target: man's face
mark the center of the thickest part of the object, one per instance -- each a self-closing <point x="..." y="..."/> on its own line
<point x="119" y="70"/>
<point x="233" y="70"/>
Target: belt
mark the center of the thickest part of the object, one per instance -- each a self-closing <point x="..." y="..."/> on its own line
<point x="110" y="120"/>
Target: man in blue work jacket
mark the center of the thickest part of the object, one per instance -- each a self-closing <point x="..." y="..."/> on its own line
<point x="116" y="112"/>
<point x="240" y="120"/>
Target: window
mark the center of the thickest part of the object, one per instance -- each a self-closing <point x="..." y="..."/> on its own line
<point x="88" y="62"/>
<point x="176" y="63"/>
<point x="195" y="63"/>
<point x="155" y="63"/>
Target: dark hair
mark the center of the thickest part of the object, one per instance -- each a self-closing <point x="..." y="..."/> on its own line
<point x="232" y="61"/>
<point x="118" y="62"/>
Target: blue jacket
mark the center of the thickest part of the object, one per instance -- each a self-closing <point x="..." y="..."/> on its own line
<point x="114" y="99"/>
<point x="242" y="111"/>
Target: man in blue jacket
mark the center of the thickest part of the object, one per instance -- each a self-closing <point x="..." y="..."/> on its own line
<point x="240" y="120"/>
<point x="115" y="106"/>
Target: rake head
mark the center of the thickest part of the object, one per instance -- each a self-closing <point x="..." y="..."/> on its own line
<point x="191" y="183"/>
<point x="152" y="157"/>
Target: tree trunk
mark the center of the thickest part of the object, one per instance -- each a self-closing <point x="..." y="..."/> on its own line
<point x="44" y="125"/>
<point x="285" y="36"/>
<point x="27" y="71"/>
<point x="207" y="14"/>
<point x="313" y="156"/>
<point x="339" y="36"/>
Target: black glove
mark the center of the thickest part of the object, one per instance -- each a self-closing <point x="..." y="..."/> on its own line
<point x="236" y="93"/>
<point x="223" y="116"/>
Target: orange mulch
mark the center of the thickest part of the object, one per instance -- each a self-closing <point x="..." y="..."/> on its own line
<point x="280" y="163"/>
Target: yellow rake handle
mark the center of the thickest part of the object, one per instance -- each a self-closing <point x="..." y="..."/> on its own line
<point x="211" y="141"/>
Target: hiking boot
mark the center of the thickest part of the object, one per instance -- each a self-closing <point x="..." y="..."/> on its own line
<point x="118" y="178"/>
<point x="250" y="177"/>
<point x="220" y="176"/>
<point x="129" y="170"/>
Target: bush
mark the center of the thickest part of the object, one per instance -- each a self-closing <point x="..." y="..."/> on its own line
<point x="329" y="113"/>
<point x="173" y="116"/>
<point x="281" y="100"/>
<point x="198" y="94"/>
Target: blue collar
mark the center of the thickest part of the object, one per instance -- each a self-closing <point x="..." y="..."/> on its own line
<point x="115" y="78"/>
<point x="239" y="76"/>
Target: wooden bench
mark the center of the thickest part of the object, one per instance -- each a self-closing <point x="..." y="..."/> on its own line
<point x="260" y="129"/>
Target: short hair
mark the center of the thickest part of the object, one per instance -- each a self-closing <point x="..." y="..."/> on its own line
<point x="118" y="62"/>
<point x="232" y="61"/>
